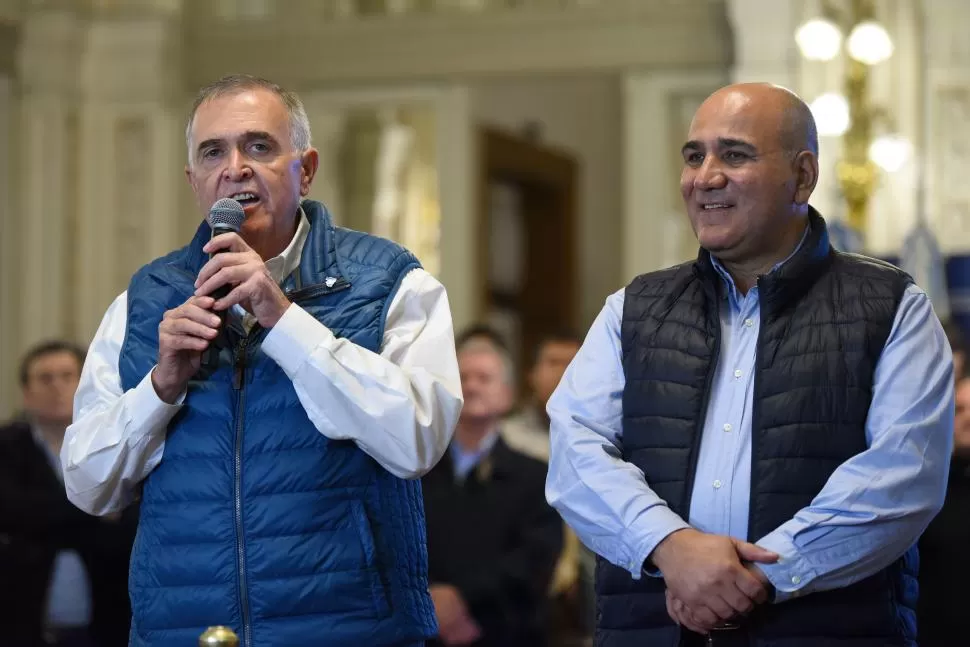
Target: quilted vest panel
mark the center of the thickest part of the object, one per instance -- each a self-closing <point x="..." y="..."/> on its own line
<point x="254" y="519"/>
<point x="825" y="319"/>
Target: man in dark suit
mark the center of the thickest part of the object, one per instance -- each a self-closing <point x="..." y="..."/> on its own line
<point x="64" y="572"/>
<point x="493" y="541"/>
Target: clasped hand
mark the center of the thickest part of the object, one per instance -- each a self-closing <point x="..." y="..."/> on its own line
<point x="244" y="270"/>
<point x="186" y="331"/>
<point x="711" y="579"/>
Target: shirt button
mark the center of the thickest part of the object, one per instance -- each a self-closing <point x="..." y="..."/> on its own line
<point x="727" y="426"/>
<point x="748" y="322"/>
<point x="737" y="373"/>
<point x="717" y="484"/>
<point x="795" y="579"/>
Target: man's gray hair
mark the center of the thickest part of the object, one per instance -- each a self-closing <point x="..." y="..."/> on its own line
<point x="229" y="85"/>
<point x="483" y="345"/>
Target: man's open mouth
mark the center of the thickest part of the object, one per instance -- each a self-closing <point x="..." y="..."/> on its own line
<point x="245" y="198"/>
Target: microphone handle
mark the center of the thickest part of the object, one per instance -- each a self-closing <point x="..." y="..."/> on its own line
<point x="223" y="290"/>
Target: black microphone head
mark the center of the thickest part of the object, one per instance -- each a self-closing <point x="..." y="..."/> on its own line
<point x="226" y="215"/>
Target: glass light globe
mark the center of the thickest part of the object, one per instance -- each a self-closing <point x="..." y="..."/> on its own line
<point x="890" y="152"/>
<point x="819" y="39"/>
<point x="870" y="43"/>
<point x="831" y="112"/>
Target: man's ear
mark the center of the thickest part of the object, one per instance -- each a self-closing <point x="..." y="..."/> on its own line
<point x="806" y="176"/>
<point x="309" y="162"/>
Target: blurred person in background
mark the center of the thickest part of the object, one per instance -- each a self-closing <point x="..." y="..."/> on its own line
<point x="64" y="573"/>
<point x="945" y="546"/>
<point x="493" y="541"/>
<point x="527" y="431"/>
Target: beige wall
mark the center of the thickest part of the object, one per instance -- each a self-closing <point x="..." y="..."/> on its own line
<point x="581" y="114"/>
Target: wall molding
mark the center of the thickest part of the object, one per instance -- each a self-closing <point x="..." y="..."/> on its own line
<point x="647" y="33"/>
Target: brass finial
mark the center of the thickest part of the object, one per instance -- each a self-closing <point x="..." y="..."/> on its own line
<point x="218" y="637"/>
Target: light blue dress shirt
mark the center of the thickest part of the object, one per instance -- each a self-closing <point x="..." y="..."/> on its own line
<point x="465" y="461"/>
<point x="872" y="509"/>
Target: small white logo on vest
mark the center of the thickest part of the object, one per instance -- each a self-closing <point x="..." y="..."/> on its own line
<point x="330" y="281"/>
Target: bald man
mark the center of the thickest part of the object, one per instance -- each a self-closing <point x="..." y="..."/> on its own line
<point x="754" y="441"/>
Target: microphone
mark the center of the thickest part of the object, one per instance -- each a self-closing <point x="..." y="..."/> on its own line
<point x="226" y="215"/>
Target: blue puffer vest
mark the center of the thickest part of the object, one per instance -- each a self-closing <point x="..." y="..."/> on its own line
<point x="254" y="519"/>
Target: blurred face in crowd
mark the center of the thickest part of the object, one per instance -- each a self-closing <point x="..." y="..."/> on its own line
<point x="959" y="365"/>
<point x="747" y="173"/>
<point x="242" y="148"/>
<point x="52" y="379"/>
<point x="554" y="357"/>
<point x="485" y="383"/>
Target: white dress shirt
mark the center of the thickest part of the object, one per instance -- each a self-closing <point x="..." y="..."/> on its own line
<point x="399" y="406"/>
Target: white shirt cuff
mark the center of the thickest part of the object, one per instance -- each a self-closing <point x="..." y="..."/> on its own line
<point x="294" y="338"/>
<point x="148" y="411"/>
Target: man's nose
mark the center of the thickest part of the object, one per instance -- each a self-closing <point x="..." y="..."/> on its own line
<point x="237" y="167"/>
<point x="710" y="175"/>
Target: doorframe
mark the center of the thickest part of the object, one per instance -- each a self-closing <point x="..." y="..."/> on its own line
<point x="505" y="154"/>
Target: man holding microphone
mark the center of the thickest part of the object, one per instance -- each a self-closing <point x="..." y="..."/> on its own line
<point x="278" y="479"/>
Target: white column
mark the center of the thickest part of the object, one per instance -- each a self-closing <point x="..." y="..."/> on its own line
<point x="764" y="47"/>
<point x="948" y="115"/>
<point x="9" y="294"/>
<point x="897" y="86"/>
<point x="328" y="125"/>
<point x="657" y="112"/>
<point x="456" y="158"/>
<point x="48" y="72"/>
<point x="132" y="158"/>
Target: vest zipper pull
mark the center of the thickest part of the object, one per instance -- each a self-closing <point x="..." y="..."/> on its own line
<point x="240" y="368"/>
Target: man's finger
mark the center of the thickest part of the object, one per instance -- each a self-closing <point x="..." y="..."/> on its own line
<point x="670" y="609"/>
<point x="191" y="328"/>
<point x="230" y="241"/>
<point x="183" y="342"/>
<point x="741" y="602"/>
<point x="219" y="262"/>
<point x="238" y="294"/>
<point x="751" y="586"/>
<point x="687" y="618"/>
<point x="228" y="275"/>
<point x="193" y="313"/>
<point x="751" y="553"/>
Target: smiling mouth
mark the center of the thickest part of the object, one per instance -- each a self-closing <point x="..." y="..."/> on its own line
<point x="245" y="198"/>
<point x="715" y="206"/>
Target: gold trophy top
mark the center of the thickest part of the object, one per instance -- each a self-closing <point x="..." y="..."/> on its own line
<point x="218" y="637"/>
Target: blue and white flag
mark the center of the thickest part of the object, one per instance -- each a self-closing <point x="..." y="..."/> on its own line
<point x="921" y="258"/>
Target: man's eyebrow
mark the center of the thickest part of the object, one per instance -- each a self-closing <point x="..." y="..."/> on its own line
<point x="722" y="142"/>
<point x="250" y="135"/>
<point x="727" y="142"/>
<point x="692" y="145"/>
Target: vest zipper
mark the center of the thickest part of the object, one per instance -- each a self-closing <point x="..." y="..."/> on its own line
<point x="239" y="384"/>
<point x="317" y="290"/>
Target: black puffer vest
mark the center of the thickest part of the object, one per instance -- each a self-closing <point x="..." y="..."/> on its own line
<point x="825" y="317"/>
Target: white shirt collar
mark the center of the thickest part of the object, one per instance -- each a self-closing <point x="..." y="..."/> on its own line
<point x="288" y="261"/>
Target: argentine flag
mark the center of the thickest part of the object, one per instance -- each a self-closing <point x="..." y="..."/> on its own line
<point x="921" y="258"/>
